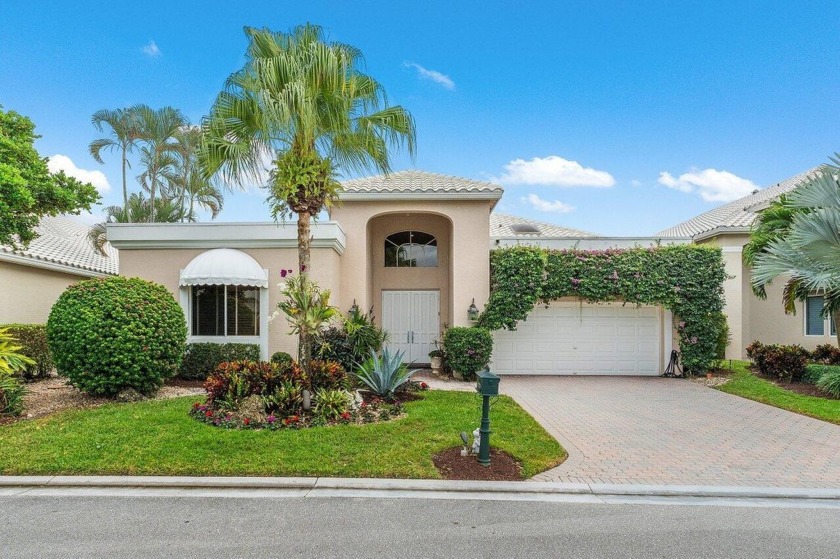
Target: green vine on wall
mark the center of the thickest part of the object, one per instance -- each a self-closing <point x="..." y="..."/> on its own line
<point x="686" y="279"/>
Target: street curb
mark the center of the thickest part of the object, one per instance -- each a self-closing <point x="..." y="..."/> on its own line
<point x="327" y="484"/>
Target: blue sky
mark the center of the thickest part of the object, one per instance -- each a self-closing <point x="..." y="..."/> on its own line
<point x="620" y="118"/>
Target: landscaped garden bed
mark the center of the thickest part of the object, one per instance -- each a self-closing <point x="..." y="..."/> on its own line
<point x="160" y="438"/>
<point x="747" y="384"/>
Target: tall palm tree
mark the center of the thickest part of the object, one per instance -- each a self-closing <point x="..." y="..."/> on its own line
<point x="304" y="104"/>
<point x="188" y="184"/>
<point x="808" y="252"/>
<point x="157" y="148"/>
<point x="123" y="137"/>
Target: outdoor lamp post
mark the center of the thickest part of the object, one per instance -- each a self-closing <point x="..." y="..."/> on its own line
<point x="487" y="385"/>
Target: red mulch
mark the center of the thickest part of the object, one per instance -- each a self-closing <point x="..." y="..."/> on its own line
<point x="503" y="467"/>
<point x="801" y="388"/>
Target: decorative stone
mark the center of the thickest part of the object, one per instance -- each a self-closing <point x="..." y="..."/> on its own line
<point x="129" y="395"/>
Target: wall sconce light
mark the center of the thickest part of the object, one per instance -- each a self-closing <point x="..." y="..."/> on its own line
<point x="355" y="308"/>
<point x="472" y="312"/>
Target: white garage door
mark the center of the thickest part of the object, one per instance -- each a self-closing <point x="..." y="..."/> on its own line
<point x="570" y="338"/>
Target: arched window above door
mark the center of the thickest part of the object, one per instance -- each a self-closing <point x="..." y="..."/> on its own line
<point x="411" y="249"/>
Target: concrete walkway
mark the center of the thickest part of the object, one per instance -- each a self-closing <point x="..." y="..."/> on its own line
<point x="656" y="431"/>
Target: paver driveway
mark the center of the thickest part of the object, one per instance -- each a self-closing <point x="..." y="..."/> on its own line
<point x="672" y="431"/>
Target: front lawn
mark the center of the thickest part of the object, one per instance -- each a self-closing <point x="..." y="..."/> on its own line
<point x="747" y="385"/>
<point x="159" y="438"/>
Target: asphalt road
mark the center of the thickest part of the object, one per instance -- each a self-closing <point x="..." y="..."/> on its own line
<point x="84" y="526"/>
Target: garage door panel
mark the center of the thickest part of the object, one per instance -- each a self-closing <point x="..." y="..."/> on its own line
<point x="587" y="339"/>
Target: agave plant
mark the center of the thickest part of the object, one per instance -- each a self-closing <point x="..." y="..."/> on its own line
<point x="385" y="374"/>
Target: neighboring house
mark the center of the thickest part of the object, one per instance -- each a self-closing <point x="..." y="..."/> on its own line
<point x="749" y="317"/>
<point x="32" y="279"/>
<point x="413" y="247"/>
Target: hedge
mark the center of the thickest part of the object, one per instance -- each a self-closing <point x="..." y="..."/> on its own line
<point x="201" y="359"/>
<point x="686" y="279"/>
<point x="33" y="341"/>
<point x="467" y="349"/>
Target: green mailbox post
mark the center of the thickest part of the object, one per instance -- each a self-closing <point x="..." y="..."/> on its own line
<point x="487" y="385"/>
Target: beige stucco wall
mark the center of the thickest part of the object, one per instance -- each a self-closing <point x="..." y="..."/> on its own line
<point x="164" y="266"/>
<point x="28" y="293"/>
<point x="751" y="318"/>
<point x="383" y="278"/>
<point x="470" y="264"/>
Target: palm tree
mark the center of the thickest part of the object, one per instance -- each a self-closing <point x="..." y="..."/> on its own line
<point x="138" y="210"/>
<point x="188" y="184"/>
<point x="807" y="253"/>
<point x="123" y="137"/>
<point x="157" y="148"/>
<point x="304" y="104"/>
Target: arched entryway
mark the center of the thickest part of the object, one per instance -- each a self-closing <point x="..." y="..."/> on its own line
<point x="409" y="261"/>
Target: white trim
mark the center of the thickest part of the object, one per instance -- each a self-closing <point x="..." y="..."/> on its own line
<point x="721" y="230"/>
<point x="389" y="196"/>
<point x="732" y="249"/>
<point x="222" y="235"/>
<point x="34" y="262"/>
<point x="667" y="331"/>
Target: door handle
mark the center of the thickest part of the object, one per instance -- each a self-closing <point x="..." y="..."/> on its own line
<point x="412" y="336"/>
<point x="407" y="337"/>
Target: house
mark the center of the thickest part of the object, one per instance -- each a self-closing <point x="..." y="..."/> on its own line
<point x="31" y="279"/>
<point x="750" y="318"/>
<point x="412" y="246"/>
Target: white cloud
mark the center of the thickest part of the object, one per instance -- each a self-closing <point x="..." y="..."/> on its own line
<point x="151" y="50"/>
<point x="712" y="185"/>
<point x="554" y="171"/>
<point x="439" y="78"/>
<point x="541" y="205"/>
<point x="636" y="182"/>
<point x="98" y="179"/>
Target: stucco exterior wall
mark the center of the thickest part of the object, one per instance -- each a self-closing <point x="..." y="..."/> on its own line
<point x="410" y="278"/>
<point x="27" y="293"/>
<point x="164" y="266"/>
<point x="470" y="264"/>
<point x="751" y="318"/>
<point x="736" y="290"/>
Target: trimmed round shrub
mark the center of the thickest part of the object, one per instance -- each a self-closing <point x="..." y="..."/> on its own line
<point x="110" y="334"/>
<point x="282" y="358"/>
<point x="467" y="350"/>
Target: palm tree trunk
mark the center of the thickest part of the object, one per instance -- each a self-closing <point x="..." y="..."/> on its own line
<point x="152" y="198"/>
<point x="304" y="241"/>
<point x="835" y="316"/>
<point x="125" y="185"/>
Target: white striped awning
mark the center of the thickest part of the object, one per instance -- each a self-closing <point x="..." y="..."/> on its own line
<point x="224" y="266"/>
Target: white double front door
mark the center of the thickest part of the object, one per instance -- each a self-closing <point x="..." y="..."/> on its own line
<point x="412" y="320"/>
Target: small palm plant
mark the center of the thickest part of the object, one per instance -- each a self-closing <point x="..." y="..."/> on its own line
<point x="11" y="362"/>
<point x="386" y="374"/>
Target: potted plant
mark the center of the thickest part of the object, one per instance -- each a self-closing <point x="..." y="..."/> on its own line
<point x="436" y="358"/>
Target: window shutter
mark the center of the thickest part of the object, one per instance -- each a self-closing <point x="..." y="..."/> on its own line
<point x="814" y="321"/>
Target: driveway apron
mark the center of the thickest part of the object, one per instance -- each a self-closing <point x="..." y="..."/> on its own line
<point x="671" y="431"/>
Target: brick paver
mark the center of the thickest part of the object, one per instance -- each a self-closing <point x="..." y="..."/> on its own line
<point x="671" y="431"/>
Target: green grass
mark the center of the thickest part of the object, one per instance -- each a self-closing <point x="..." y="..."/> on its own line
<point x="159" y="438"/>
<point x="745" y="384"/>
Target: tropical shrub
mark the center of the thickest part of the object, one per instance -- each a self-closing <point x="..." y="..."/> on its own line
<point x="813" y="372"/>
<point x="384" y="375"/>
<point x="11" y="362"/>
<point x="330" y="405"/>
<point x="234" y="381"/>
<point x="830" y="382"/>
<point x="110" y="334"/>
<point x="201" y="359"/>
<point x="826" y="354"/>
<point x="687" y="279"/>
<point x="327" y="375"/>
<point x="32" y="339"/>
<point x="307" y="309"/>
<point x="286" y="400"/>
<point x="785" y="362"/>
<point x="352" y="341"/>
<point x="282" y="359"/>
<point x="468" y="350"/>
<point x="723" y="337"/>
